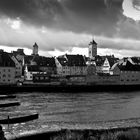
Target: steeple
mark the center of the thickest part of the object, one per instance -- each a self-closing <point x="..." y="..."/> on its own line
<point x="35" y="49"/>
<point x="92" y="49"/>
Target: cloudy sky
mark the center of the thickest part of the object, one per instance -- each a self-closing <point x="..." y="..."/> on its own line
<point x="67" y="26"/>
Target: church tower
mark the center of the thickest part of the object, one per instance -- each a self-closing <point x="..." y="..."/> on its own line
<point x="92" y="52"/>
<point x="35" y="49"/>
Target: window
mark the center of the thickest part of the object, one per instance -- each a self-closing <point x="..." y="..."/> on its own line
<point x="4" y="75"/>
<point x="8" y="70"/>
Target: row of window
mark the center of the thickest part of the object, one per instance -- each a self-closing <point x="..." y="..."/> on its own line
<point x="129" y="80"/>
<point x="4" y="70"/>
<point x="5" y="76"/>
<point x="4" y="80"/>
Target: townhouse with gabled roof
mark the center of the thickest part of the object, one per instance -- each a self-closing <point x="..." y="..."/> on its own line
<point x="7" y="69"/>
<point x="129" y="70"/>
<point x="104" y="64"/>
<point x="71" y="65"/>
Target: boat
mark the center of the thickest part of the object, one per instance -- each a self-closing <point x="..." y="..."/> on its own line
<point x="9" y="104"/>
<point x="13" y="120"/>
<point x="7" y="96"/>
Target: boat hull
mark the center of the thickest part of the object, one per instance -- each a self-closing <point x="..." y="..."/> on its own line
<point x="19" y="119"/>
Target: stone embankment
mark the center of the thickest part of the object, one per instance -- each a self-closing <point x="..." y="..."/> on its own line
<point x="128" y="129"/>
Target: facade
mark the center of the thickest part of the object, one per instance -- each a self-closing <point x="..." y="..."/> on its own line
<point x="46" y="64"/>
<point x="92" y="51"/>
<point x="35" y="49"/>
<point x="30" y="71"/>
<point x="71" y="65"/>
<point x="19" y="55"/>
<point x="18" y="66"/>
<point x="105" y="63"/>
<point x="129" y="72"/>
<point x="7" y="69"/>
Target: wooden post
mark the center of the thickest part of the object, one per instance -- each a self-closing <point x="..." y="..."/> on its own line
<point x="8" y="122"/>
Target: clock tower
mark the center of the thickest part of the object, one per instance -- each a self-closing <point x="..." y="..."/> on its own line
<point x="92" y="51"/>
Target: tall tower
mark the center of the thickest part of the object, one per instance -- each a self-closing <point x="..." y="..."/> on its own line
<point x="92" y="51"/>
<point x="35" y="49"/>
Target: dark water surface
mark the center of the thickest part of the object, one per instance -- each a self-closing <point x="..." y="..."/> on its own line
<point x="57" y="110"/>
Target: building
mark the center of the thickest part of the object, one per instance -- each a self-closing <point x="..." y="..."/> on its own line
<point x="46" y="64"/>
<point x="71" y="65"/>
<point x="19" y="55"/>
<point x="30" y="71"/>
<point x="7" y="69"/>
<point x="92" y="51"/>
<point x="105" y="63"/>
<point x="129" y="71"/>
<point x="35" y="49"/>
<point x="18" y="66"/>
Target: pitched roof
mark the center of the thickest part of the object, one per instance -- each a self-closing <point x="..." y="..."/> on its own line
<point x="28" y="58"/>
<point x="136" y="60"/>
<point x="44" y="61"/>
<point x="100" y="60"/>
<point x="5" y="60"/>
<point x="93" y="42"/>
<point x="128" y="66"/>
<point x="71" y="60"/>
<point x="75" y="60"/>
<point x="63" y="61"/>
<point x="112" y="61"/>
<point x="33" y="68"/>
<point x="18" y="52"/>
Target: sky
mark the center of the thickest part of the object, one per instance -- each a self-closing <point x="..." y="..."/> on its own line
<point x="67" y="26"/>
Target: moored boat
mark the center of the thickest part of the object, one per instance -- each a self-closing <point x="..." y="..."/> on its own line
<point x="19" y="119"/>
<point x="9" y="104"/>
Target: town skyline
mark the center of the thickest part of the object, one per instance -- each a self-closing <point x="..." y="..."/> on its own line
<point x="67" y="26"/>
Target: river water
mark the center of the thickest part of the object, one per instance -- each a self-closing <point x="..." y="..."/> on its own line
<point x="58" y="110"/>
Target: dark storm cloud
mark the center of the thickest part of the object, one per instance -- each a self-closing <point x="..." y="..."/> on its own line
<point x="71" y="19"/>
<point x="94" y="16"/>
<point x="90" y="16"/>
<point x="36" y="12"/>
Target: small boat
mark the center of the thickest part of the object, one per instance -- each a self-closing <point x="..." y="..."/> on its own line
<point x="7" y="96"/>
<point x="9" y="104"/>
<point x="21" y="119"/>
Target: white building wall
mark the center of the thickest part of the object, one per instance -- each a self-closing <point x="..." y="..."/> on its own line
<point x="106" y="66"/>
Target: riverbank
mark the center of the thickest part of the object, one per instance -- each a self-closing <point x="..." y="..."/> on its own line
<point x="128" y="129"/>
<point x="130" y="133"/>
<point x="67" y="88"/>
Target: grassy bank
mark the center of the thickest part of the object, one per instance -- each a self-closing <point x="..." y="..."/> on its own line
<point x="86" y="134"/>
<point x="130" y="134"/>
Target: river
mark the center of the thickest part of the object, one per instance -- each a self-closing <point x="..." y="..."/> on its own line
<point x="57" y="110"/>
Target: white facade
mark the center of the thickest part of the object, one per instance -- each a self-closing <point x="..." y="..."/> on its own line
<point x="106" y="66"/>
<point x="28" y="75"/>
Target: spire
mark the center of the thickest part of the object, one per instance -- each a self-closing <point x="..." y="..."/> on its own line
<point x="93" y="42"/>
<point x="35" y="49"/>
